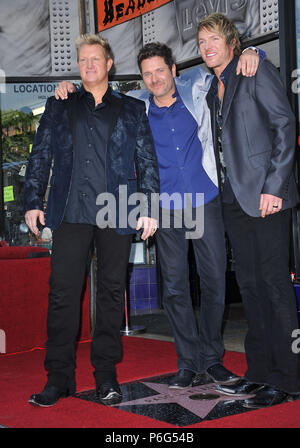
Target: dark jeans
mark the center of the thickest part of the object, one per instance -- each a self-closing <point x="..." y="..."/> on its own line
<point x="70" y="250"/>
<point x="196" y="350"/>
<point x="261" y="251"/>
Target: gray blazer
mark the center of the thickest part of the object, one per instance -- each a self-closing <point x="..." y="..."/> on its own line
<point x="258" y="138"/>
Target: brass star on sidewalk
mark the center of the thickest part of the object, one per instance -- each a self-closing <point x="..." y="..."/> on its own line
<point x="199" y="400"/>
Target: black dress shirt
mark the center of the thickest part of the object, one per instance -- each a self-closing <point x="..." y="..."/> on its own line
<point x="226" y="190"/>
<point x="91" y="138"/>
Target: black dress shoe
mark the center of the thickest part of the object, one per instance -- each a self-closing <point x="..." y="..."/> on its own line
<point x="49" y="396"/>
<point x="219" y="374"/>
<point x="200" y="379"/>
<point x="240" y="388"/>
<point x="267" y="396"/>
<point x="182" y="379"/>
<point x="109" y="392"/>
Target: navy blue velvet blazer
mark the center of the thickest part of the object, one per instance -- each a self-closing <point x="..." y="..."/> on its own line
<point x="130" y="157"/>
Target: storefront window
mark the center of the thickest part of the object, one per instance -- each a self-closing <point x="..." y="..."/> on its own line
<point x="22" y="105"/>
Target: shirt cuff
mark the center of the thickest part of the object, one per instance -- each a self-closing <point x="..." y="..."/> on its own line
<point x="260" y="52"/>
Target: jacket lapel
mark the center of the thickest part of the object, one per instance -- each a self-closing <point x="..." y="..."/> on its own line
<point x="185" y="91"/>
<point x="230" y="89"/>
<point x="71" y="109"/>
<point x="212" y="106"/>
<point x="115" y="112"/>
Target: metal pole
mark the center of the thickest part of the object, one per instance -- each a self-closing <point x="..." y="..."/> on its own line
<point x="127" y="331"/>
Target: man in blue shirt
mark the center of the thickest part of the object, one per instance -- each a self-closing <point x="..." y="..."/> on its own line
<point x="180" y="123"/>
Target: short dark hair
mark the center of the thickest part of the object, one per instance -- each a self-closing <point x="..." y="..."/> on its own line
<point x="156" y="49"/>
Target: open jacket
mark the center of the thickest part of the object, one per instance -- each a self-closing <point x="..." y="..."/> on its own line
<point x="192" y="87"/>
<point x="130" y="157"/>
<point x="258" y="138"/>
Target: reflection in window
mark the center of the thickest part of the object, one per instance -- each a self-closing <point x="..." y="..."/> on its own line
<point x="22" y="105"/>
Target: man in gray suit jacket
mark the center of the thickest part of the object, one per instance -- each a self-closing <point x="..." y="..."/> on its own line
<point x="254" y="136"/>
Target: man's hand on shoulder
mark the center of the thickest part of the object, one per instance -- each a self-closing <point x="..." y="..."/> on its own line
<point x="63" y="89"/>
<point x="248" y="63"/>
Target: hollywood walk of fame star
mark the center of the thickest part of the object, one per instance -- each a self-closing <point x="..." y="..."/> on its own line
<point x="200" y="400"/>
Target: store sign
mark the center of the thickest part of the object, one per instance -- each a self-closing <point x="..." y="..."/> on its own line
<point x="190" y="12"/>
<point x="28" y="97"/>
<point x="114" y="12"/>
<point x="35" y="88"/>
<point x="8" y="193"/>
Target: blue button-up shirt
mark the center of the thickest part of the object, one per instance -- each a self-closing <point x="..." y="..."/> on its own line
<point x="179" y="153"/>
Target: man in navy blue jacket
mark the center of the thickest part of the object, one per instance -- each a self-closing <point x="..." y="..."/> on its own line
<point x="101" y="144"/>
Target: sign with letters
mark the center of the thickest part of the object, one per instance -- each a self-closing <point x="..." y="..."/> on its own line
<point x="190" y="12"/>
<point x="114" y="12"/>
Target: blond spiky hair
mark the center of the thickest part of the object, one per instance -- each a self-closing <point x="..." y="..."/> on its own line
<point x="94" y="39"/>
<point x="219" y="23"/>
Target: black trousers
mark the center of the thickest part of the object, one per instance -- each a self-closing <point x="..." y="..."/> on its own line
<point x="197" y="346"/>
<point x="261" y="251"/>
<point x="70" y="251"/>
